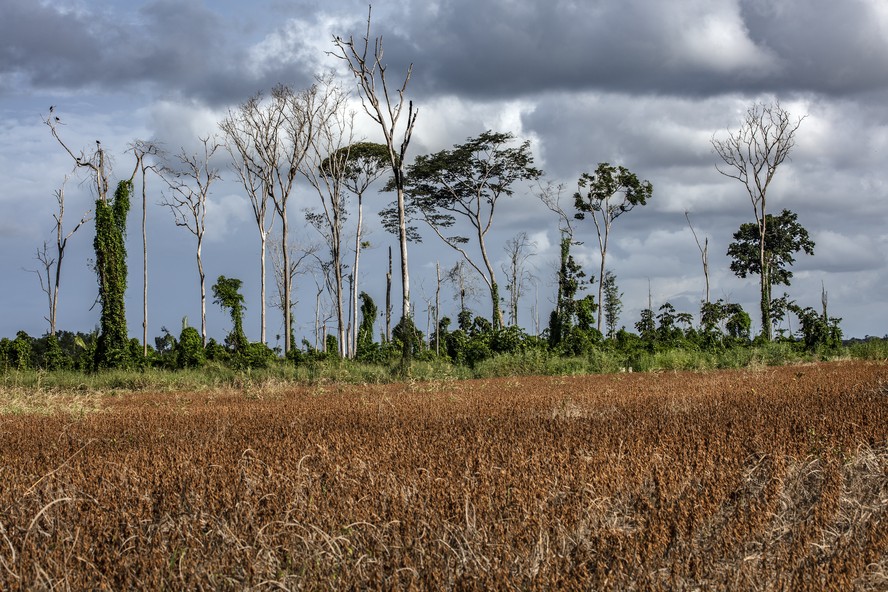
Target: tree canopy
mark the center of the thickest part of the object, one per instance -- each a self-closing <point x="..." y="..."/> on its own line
<point x="784" y="237"/>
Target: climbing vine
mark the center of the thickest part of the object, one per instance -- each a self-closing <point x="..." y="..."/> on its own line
<point x="365" y="332"/>
<point x="226" y="293"/>
<point x="112" y="350"/>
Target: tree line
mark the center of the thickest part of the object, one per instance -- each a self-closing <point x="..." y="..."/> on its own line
<point x="292" y="139"/>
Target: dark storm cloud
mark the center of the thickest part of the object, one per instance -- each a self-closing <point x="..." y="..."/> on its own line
<point x="48" y="47"/>
<point x="171" y="47"/>
<point x="501" y="48"/>
<point x="490" y="49"/>
<point x="824" y="46"/>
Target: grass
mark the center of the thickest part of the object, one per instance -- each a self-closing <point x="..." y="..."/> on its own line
<point x="15" y="385"/>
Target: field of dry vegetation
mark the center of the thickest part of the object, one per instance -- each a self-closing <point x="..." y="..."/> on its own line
<point x="763" y="479"/>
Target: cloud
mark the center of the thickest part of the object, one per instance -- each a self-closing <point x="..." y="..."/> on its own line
<point x="640" y="83"/>
<point x="838" y="252"/>
<point x="225" y="215"/>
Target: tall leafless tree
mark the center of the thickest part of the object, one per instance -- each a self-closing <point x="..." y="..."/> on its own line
<point x="464" y="282"/>
<point x="752" y="155"/>
<point x="518" y="250"/>
<point x="142" y="150"/>
<point x="52" y="264"/>
<point x="251" y="138"/>
<point x="325" y="168"/>
<point x="189" y="194"/>
<point x="385" y="106"/>
<point x="704" y="253"/>
<point x="366" y="163"/>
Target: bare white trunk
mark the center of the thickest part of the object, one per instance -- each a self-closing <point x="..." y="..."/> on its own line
<point x="354" y="291"/>
<point x="405" y="272"/>
<point x="286" y="278"/>
<point x="144" y="269"/>
<point x="203" y="293"/>
<point x="263" y="238"/>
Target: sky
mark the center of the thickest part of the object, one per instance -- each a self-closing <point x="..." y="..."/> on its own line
<point x="640" y="83"/>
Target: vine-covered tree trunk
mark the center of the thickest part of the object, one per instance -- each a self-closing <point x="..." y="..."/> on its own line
<point x="365" y="331"/>
<point x="112" y="349"/>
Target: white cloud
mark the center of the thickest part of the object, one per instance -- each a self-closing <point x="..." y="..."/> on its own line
<point x="719" y="41"/>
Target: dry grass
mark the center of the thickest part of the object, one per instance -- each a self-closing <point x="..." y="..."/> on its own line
<point x="773" y="479"/>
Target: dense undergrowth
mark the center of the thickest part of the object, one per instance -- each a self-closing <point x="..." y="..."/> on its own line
<point x="539" y="361"/>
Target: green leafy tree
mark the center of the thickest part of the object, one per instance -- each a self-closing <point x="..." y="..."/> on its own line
<point x="226" y="293"/>
<point x="784" y="237"/>
<point x="190" y="351"/>
<point x="817" y="329"/>
<point x="721" y="320"/>
<point x="647" y="325"/>
<point x="468" y="182"/>
<point x="571" y="280"/>
<point x="605" y="195"/>
<point x="19" y="351"/>
<point x="52" y="356"/>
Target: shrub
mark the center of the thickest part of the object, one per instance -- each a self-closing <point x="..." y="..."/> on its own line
<point x="190" y="351"/>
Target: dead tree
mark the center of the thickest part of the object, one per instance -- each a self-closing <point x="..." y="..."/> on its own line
<point x="385" y="106"/>
<point x="704" y="253"/>
<point x="251" y="138"/>
<point x="325" y="167"/>
<point x="190" y="191"/>
<point x="52" y="265"/>
<point x="95" y="162"/>
<point x="518" y="250"/>
<point x="465" y="284"/>
<point x="142" y="149"/>
<point x="365" y="164"/>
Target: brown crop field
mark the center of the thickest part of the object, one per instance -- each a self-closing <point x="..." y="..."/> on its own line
<point x="762" y="479"/>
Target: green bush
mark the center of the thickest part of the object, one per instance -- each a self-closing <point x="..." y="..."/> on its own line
<point x="53" y="358"/>
<point x="190" y="350"/>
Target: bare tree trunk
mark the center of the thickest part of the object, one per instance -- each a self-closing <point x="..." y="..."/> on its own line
<point x="497" y="317"/>
<point x="203" y="293"/>
<point x="286" y="277"/>
<point x="354" y="290"/>
<point x="340" y="317"/>
<point x="318" y="317"/>
<point x="263" y="237"/>
<point x="388" y="301"/>
<point x="437" y="308"/>
<point x="53" y="312"/>
<point x="704" y="253"/>
<point x="603" y="245"/>
<point x="144" y="266"/>
<point x="402" y="239"/>
<point x="765" y="279"/>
